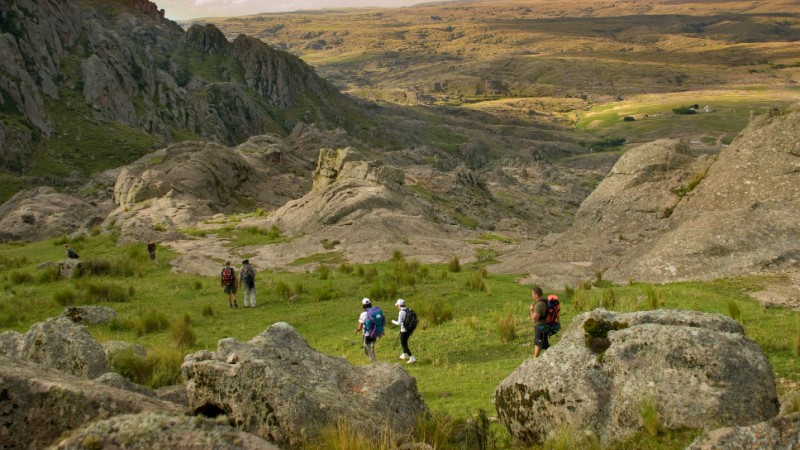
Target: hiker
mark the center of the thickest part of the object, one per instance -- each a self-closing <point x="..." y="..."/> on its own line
<point x="151" y="250"/>
<point x="405" y="329"/>
<point x="70" y="252"/>
<point x="227" y="280"/>
<point x="538" y="312"/>
<point x="370" y="323"/>
<point x="247" y="278"/>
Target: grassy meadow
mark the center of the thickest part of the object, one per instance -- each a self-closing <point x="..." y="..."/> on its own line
<point x="474" y="327"/>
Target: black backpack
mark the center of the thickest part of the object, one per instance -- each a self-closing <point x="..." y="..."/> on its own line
<point x="249" y="277"/>
<point x="410" y="321"/>
<point x="551" y="318"/>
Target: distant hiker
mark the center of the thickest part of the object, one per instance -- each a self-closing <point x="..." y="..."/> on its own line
<point x="70" y="252"/>
<point x="407" y="319"/>
<point x="370" y="323"/>
<point x="247" y="278"/>
<point x="227" y="280"/>
<point x="151" y="250"/>
<point x="538" y="312"/>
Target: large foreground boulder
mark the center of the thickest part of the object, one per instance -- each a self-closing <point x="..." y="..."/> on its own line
<point x="154" y="431"/>
<point x="39" y="403"/>
<point x="778" y="433"/>
<point x="699" y="369"/>
<point x="278" y="387"/>
<point x="62" y="344"/>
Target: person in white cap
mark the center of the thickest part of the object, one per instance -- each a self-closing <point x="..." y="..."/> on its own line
<point x="404" y="332"/>
<point x="377" y="316"/>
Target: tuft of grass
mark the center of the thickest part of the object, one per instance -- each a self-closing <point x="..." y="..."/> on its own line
<point x="454" y="265"/>
<point x="49" y="275"/>
<point x="105" y="291"/>
<point x="506" y="329"/>
<point x="323" y="271"/>
<point x="208" y="311"/>
<point x="65" y="296"/>
<point x="152" y="320"/>
<point x="21" y="277"/>
<point x="435" y="313"/>
<point x="476" y="283"/>
<point x="183" y="334"/>
<point x="648" y="412"/>
<point x="434" y="429"/>
<point x="347" y="436"/>
<point x="734" y="311"/>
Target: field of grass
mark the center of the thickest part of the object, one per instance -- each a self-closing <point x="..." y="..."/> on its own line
<point x="461" y="351"/>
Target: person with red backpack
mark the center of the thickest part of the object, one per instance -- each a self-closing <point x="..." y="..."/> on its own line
<point x="227" y="279"/>
<point x="538" y="312"/>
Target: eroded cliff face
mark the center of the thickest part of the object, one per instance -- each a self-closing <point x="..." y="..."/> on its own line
<point x="122" y="64"/>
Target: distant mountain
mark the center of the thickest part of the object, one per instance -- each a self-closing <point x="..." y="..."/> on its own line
<point x="88" y="85"/>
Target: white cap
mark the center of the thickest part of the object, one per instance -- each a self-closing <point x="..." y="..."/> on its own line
<point x="366" y="301"/>
<point x="400" y="302"/>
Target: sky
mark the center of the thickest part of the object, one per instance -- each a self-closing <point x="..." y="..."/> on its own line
<point x="192" y="9"/>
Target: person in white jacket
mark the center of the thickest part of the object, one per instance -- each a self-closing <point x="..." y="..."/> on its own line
<point x="404" y="334"/>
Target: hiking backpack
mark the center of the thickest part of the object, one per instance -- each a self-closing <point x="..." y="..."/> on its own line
<point x="375" y="322"/>
<point x="227" y="276"/>
<point x="551" y="318"/>
<point x="249" y="277"/>
<point x="410" y="321"/>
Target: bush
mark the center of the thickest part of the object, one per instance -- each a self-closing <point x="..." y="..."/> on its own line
<point x="65" y="296"/>
<point x="19" y="277"/>
<point x="628" y="119"/>
<point x="183" y="334"/>
<point x="684" y="110"/>
<point x="505" y="327"/>
<point x="152" y="320"/>
<point x="454" y="265"/>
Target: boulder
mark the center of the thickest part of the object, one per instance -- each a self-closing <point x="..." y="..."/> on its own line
<point x="90" y="315"/>
<point x="9" y="343"/>
<point x="175" y="394"/>
<point x="64" y="345"/>
<point x="40" y="403"/>
<point x="278" y="387"/>
<point x="693" y="365"/>
<point x="115" y="348"/>
<point x="778" y="433"/>
<point x="155" y="431"/>
<point x="116" y="380"/>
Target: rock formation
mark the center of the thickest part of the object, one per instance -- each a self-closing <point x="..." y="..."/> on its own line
<point x="154" y="431"/>
<point x="89" y="315"/>
<point x="692" y="365"/>
<point x="279" y="388"/>
<point x="40" y="404"/>
<point x="63" y="345"/>
<point x="780" y="432"/>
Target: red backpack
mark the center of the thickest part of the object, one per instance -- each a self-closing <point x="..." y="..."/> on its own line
<point x="551" y="319"/>
<point x="227" y="276"/>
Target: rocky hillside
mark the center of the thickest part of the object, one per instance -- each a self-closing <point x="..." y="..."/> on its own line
<point x="85" y="86"/>
<point x="665" y="214"/>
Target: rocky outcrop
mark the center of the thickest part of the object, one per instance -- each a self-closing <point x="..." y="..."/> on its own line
<point x="154" y="431"/>
<point x="44" y="213"/>
<point x="778" y="433"/>
<point x="116" y="380"/>
<point x="9" y="343"/>
<point x="40" y="404"/>
<point x="740" y="219"/>
<point x="691" y="365"/>
<point x="278" y="387"/>
<point x="63" y="345"/>
<point x="89" y="315"/>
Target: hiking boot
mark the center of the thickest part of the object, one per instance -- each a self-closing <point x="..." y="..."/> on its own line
<point x="411" y="360"/>
<point x="402" y="356"/>
<point x="235" y="305"/>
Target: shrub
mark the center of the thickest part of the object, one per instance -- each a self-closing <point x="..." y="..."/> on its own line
<point x="684" y="110"/>
<point x="19" y="277"/>
<point x="398" y="256"/>
<point x="65" y="296"/>
<point x="208" y="311"/>
<point x="454" y="265"/>
<point x="183" y="334"/>
<point x="479" y="432"/>
<point x="198" y="285"/>
<point x="476" y="283"/>
<point x="505" y="327"/>
<point x="49" y="275"/>
<point x="323" y="272"/>
<point x="152" y="320"/>
<point x="628" y="119"/>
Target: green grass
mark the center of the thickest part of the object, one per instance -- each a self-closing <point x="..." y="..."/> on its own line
<point x="461" y="358"/>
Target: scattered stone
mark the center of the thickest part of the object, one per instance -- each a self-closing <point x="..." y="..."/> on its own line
<point x="64" y="345"/>
<point x="778" y="433"/>
<point x="175" y="394"/>
<point x="90" y="315"/>
<point x="116" y="380"/>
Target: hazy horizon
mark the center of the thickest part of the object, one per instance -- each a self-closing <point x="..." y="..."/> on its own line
<point x="195" y="9"/>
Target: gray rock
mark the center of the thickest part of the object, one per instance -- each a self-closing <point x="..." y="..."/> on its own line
<point x="693" y="365"/>
<point x="778" y="433"/>
<point x="63" y="345"/>
<point x="175" y="394"/>
<point x="154" y="431"/>
<point x="115" y="348"/>
<point x="283" y="390"/>
<point x="90" y="315"/>
<point x="9" y="343"/>
<point x="40" y="404"/>
<point x="118" y="381"/>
